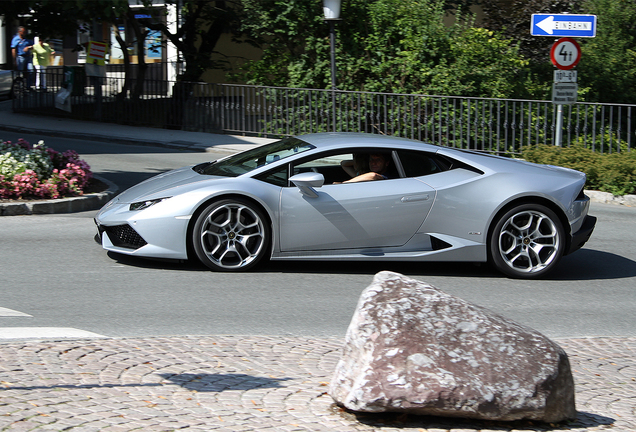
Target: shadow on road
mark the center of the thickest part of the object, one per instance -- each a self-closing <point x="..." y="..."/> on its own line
<point x="219" y="382"/>
<point x="585" y="264"/>
<point x="589" y="264"/>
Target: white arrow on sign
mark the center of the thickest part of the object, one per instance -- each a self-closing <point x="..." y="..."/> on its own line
<point x="549" y="25"/>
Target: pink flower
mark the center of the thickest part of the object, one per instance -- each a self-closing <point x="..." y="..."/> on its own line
<point x="70" y="175"/>
<point x="24" y="144"/>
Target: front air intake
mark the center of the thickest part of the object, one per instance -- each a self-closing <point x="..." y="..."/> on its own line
<point x="124" y="236"/>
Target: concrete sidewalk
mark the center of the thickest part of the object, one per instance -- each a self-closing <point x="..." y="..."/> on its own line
<point x="110" y="132"/>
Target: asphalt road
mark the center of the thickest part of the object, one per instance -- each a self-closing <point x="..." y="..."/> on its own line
<point x="54" y="272"/>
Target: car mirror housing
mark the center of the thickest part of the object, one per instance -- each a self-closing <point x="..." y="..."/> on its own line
<point x="306" y="182"/>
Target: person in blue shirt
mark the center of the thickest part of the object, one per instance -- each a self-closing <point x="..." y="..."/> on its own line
<point x="22" y="48"/>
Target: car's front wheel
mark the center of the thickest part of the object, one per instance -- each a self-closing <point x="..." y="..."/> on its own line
<point x="527" y="241"/>
<point x="230" y="235"/>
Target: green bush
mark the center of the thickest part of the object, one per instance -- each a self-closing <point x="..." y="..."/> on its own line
<point x="607" y="172"/>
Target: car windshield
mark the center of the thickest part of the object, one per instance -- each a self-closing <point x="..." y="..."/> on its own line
<point x="244" y="162"/>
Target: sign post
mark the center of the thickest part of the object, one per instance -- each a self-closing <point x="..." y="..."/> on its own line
<point x="565" y="55"/>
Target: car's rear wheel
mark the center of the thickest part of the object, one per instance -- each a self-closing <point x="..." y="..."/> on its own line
<point x="231" y="235"/>
<point x="527" y="241"/>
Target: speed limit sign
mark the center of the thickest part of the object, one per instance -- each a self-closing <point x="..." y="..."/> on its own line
<point x="565" y="53"/>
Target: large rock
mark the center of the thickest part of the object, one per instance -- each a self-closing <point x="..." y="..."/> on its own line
<point x="415" y="349"/>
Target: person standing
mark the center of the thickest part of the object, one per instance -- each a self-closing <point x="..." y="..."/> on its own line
<point x="22" y="47"/>
<point x="42" y="52"/>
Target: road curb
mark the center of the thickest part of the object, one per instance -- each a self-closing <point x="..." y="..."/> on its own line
<point x="608" y="198"/>
<point x="86" y="202"/>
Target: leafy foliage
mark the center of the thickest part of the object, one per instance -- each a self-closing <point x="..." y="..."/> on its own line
<point x="295" y="39"/>
<point x="198" y="32"/>
<point x="607" y="71"/>
<point x="383" y="45"/>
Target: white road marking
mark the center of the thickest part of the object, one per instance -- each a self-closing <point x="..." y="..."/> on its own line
<point x="4" y="312"/>
<point x="45" y="333"/>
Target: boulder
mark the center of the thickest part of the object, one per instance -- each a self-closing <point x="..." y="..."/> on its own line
<point x="412" y="348"/>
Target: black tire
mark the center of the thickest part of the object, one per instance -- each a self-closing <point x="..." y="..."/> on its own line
<point x="231" y="235"/>
<point x="527" y="242"/>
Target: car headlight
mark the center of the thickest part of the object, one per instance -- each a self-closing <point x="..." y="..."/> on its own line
<point x="141" y="205"/>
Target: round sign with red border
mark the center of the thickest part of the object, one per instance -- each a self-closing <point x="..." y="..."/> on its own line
<point x="565" y="53"/>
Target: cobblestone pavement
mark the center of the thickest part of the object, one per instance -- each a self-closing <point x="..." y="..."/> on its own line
<point x="252" y="383"/>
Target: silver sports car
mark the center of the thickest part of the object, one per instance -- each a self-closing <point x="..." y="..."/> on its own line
<point x="294" y="200"/>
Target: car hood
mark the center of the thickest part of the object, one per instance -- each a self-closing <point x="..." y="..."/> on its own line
<point x="165" y="185"/>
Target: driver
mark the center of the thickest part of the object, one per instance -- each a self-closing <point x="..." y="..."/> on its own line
<point x="379" y="165"/>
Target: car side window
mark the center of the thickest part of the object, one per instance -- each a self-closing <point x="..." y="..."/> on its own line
<point x="278" y="177"/>
<point x="330" y="166"/>
<point x="418" y="164"/>
<point x="350" y="165"/>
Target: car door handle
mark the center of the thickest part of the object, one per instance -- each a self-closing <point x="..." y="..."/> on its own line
<point x="413" y="198"/>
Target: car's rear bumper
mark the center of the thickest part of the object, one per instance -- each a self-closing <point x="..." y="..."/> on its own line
<point x="580" y="237"/>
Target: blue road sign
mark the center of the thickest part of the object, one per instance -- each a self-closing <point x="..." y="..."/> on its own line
<point x="563" y="25"/>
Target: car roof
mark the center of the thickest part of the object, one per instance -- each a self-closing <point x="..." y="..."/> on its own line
<point x="329" y="140"/>
<point x="479" y="160"/>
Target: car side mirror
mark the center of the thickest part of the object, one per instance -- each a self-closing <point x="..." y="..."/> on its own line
<point x="307" y="181"/>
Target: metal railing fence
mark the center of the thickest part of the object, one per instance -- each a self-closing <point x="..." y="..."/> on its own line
<point x="500" y="126"/>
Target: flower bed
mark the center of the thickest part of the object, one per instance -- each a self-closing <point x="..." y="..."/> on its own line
<point x="38" y="172"/>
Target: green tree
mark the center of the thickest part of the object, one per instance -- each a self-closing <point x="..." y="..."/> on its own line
<point x="198" y="32"/>
<point x="400" y="44"/>
<point x="383" y="45"/>
<point x="295" y="42"/>
<point x="513" y="18"/>
<point x="607" y="71"/>
<point x="482" y="64"/>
